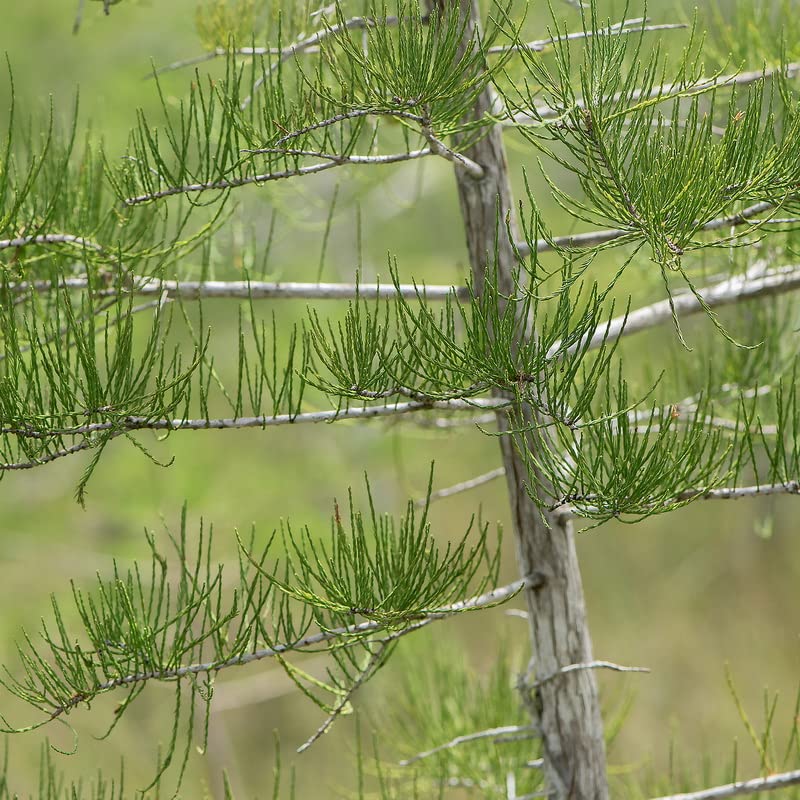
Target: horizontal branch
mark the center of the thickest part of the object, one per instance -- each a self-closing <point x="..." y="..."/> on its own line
<point x="489" y="733"/>
<point x="768" y="784"/>
<point x="617" y="29"/>
<point x="255" y="290"/>
<point x="756" y="282"/>
<point x="51" y="238"/>
<point x="492" y="598"/>
<point x="594" y="238"/>
<point x="46" y="459"/>
<point x="666" y="91"/>
<point x="737" y="493"/>
<point x="234" y="183"/>
<point x="134" y="423"/>
<point x="122" y="426"/>
<point x="567" y="510"/>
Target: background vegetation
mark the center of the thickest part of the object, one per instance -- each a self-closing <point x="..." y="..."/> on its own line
<point x="683" y="594"/>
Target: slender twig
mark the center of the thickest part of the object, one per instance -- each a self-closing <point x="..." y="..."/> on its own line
<point x="302" y="45"/>
<point x="439" y="148"/>
<point x="492" y="598"/>
<point x="464" y="486"/>
<point x="312" y="42"/>
<point x="356" y="113"/>
<point x="336" y="711"/>
<point x="665" y="91"/>
<point x="681" y="417"/>
<point x="414" y="394"/>
<point x="258" y="688"/>
<point x="617" y="29"/>
<point x="233" y="183"/>
<point x="217" y="52"/>
<point x="588" y="665"/>
<point x="490" y="733"/>
<point x="767" y="784"/>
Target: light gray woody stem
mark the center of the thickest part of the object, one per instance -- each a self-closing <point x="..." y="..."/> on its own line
<point x="566" y="710"/>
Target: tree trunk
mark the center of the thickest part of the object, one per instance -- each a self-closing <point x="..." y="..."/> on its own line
<point x="566" y="706"/>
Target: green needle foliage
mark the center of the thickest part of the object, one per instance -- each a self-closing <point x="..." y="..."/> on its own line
<point x="386" y="575"/>
<point x="180" y="620"/>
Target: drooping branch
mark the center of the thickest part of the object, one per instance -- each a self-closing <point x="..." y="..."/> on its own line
<point x="373" y="663"/>
<point x="768" y="784"/>
<point x="488" y="599"/>
<point x="16" y="466"/>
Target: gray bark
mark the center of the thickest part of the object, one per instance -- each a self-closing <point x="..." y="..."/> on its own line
<point x="566" y="708"/>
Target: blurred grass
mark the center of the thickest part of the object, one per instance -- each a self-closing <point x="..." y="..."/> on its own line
<point x="682" y="594"/>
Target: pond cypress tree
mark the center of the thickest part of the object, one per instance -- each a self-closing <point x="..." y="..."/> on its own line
<point x="683" y="180"/>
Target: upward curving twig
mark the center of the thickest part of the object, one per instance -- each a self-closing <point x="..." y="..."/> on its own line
<point x="739" y="788"/>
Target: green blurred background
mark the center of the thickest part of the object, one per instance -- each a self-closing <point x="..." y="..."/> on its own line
<point x="683" y="594"/>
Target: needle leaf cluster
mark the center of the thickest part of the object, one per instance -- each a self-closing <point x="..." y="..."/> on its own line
<point x="180" y="620"/>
